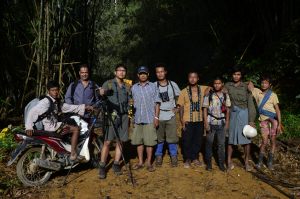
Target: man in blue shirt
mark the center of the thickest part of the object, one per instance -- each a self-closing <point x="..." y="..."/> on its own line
<point x="146" y="103"/>
<point x="82" y="91"/>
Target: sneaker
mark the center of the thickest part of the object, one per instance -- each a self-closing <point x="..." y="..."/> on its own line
<point x="174" y="161"/>
<point x="158" y="161"/>
<point x="102" y="172"/>
<point x="187" y="164"/>
<point x="117" y="169"/>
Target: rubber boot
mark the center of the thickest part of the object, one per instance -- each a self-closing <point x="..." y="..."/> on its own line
<point x="270" y="161"/>
<point x="260" y="160"/>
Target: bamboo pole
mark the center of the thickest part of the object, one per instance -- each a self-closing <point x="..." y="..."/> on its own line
<point x="27" y="79"/>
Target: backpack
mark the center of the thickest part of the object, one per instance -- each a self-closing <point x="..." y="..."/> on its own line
<point x="74" y="85"/>
<point x="38" y="125"/>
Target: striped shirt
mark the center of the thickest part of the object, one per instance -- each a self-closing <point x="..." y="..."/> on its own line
<point x="145" y="98"/>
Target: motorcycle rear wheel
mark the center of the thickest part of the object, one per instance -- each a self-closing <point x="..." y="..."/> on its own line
<point x="28" y="172"/>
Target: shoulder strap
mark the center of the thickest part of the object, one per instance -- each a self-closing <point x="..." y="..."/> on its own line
<point x="49" y="111"/>
<point x="74" y="85"/>
<point x="175" y="97"/>
<point x="264" y="100"/>
<point x="170" y="82"/>
<point x="109" y="84"/>
<point x="94" y="90"/>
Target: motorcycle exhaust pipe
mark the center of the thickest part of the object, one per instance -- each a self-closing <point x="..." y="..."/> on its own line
<point x="48" y="164"/>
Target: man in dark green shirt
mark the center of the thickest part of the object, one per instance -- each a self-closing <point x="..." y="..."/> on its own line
<point x="118" y="104"/>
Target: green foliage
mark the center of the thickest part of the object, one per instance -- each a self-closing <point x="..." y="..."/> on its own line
<point x="113" y="37"/>
<point x="7" y="142"/>
<point x="291" y="123"/>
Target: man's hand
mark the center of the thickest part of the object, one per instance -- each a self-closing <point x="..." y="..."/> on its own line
<point x="250" y="86"/>
<point x="224" y="90"/>
<point x="101" y="91"/>
<point x="175" y="110"/>
<point x="207" y="90"/>
<point x="183" y="124"/>
<point x="156" y="122"/>
<point x="279" y="129"/>
<point x="89" y="108"/>
<point x="252" y="124"/>
<point x="29" y="132"/>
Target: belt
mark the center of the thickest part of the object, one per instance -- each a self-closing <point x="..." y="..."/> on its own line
<point x="165" y="110"/>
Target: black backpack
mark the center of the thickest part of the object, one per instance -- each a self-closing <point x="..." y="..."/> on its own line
<point x="38" y="125"/>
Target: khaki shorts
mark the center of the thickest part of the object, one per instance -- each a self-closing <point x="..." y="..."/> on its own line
<point x="167" y="131"/>
<point x="121" y="130"/>
<point x="144" y="134"/>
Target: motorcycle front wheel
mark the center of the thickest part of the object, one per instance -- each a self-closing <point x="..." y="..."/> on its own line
<point x="29" y="173"/>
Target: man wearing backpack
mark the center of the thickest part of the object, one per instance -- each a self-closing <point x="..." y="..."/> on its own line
<point x="167" y="129"/>
<point x="117" y="95"/>
<point x="216" y="119"/>
<point x="82" y="91"/>
<point x="47" y="111"/>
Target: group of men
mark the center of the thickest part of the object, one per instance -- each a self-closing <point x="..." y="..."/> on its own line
<point x="217" y="109"/>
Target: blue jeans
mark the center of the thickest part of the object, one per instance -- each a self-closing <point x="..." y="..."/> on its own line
<point x="217" y="130"/>
<point x="160" y="147"/>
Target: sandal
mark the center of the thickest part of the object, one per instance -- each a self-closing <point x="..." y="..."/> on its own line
<point x="247" y="167"/>
<point x="230" y="166"/>
<point x="76" y="158"/>
<point x="137" y="166"/>
<point x="150" y="168"/>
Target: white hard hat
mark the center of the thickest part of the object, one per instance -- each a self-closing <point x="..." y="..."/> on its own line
<point x="249" y="131"/>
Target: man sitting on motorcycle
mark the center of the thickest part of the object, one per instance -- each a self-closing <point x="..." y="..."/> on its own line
<point x="51" y="121"/>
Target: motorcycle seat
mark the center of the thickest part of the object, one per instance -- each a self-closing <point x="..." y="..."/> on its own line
<point x="47" y="133"/>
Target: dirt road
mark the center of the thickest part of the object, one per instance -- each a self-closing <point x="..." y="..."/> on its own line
<point x="165" y="182"/>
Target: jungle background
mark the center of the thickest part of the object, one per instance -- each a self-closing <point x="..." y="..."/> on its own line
<point x="43" y="40"/>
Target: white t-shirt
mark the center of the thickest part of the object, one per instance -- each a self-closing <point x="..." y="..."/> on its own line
<point x="166" y="108"/>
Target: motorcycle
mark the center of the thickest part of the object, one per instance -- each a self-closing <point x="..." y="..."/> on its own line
<point x="47" y="152"/>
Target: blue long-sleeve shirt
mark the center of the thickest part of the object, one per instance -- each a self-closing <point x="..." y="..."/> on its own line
<point x="82" y="95"/>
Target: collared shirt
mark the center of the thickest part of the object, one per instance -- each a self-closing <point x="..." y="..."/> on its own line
<point x="214" y="108"/>
<point x="50" y="124"/>
<point x="242" y="98"/>
<point x="269" y="105"/>
<point x="184" y="101"/>
<point x="145" y="98"/>
<point x="82" y="95"/>
<point x="166" y="108"/>
<point x="119" y="100"/>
